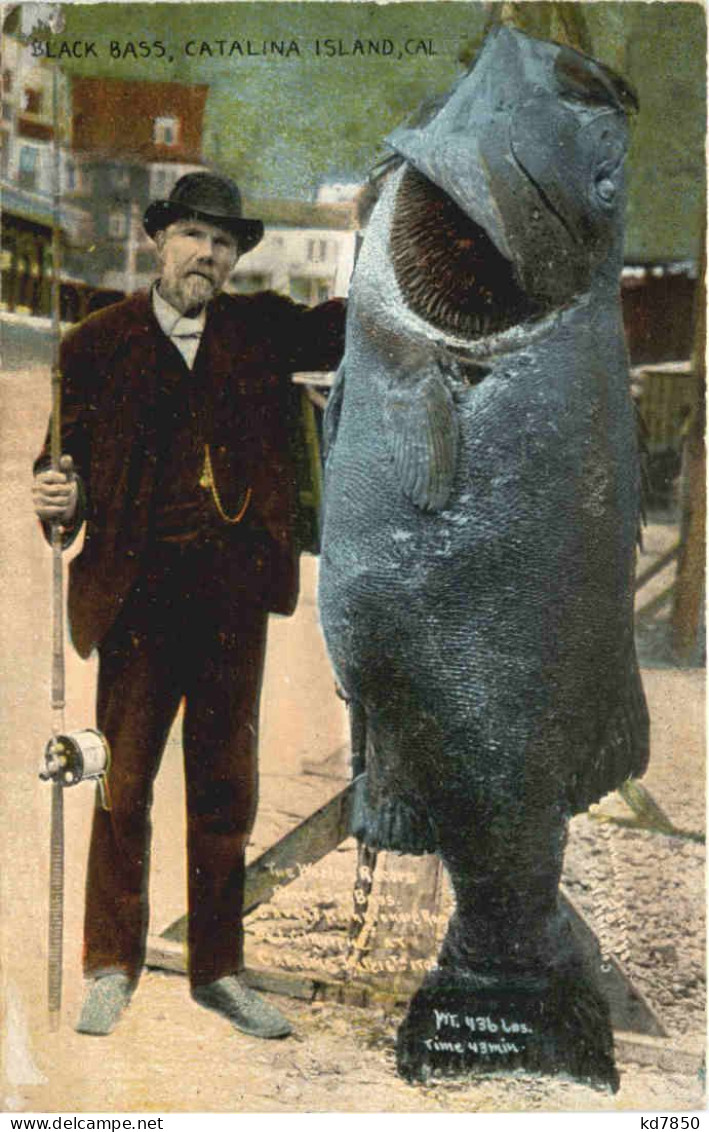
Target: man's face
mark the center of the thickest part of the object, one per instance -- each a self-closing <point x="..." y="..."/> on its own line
<point x="195" y="259"/>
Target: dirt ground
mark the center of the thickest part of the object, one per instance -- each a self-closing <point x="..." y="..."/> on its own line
<point x="169" y="1055"/>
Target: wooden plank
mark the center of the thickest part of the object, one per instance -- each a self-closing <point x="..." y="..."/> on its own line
<point x="674" y="1055"/>
<point x="168" y="955"/>
<point x="308" y="843"/>
<point x="630" y="1012"/>
<point x="684" y="369"/>
<point x="398" y="931"/>
<point x="361" y="922"/>
<point x="655" y="604"/>
<point x="335" y="765"/>
<point x="325" y="378"/>
<point x="690" y="592"/>
<point x="657" y="567"/>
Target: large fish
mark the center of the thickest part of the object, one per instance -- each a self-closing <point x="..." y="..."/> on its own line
<point x="481" y="515"/>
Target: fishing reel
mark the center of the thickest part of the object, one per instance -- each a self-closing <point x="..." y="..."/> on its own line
<point x="76" y="757"/>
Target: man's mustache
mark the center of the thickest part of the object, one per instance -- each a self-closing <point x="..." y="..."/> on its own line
<point x="202" y="273"/>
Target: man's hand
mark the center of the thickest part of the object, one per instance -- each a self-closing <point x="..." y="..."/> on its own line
<point x="56" y="494"/>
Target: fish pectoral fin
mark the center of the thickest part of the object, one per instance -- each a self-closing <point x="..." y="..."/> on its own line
<point x="331" y="418"/>
<point x="423" y="432"/>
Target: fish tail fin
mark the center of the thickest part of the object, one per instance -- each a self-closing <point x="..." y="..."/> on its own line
<point x="467" y="1025"/>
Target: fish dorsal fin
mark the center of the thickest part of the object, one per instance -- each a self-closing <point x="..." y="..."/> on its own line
<point x="423" y="432"/>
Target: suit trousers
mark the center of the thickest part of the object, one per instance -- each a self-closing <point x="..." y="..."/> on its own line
<point x="191" y="630"/>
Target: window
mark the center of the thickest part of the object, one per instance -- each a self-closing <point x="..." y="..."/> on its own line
<point x="299" y="288"/>
<point x="31" y="101"/>
<point x="121" y="177"/>
<point x="6" y="112"/>
<point x="70" y="178"/>
<point x="317" y="250"/>
<point x="166" y="131"/>
<point x="117" y="224"/>
<point x="162" y="178"/>
<point x="249" y="284"/>
<point x="159" y="186"/>
<point x="7" y="81"/>
<point x="28" y="167"/>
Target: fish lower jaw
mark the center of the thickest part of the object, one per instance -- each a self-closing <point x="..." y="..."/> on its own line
<point x="413" y="330"/>
<point x="503" y="342"/>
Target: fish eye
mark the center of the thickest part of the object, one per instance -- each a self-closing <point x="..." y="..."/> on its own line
<point x="606" y="190"/>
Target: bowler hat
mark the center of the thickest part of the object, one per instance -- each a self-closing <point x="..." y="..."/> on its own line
<point x="209" y="197"/>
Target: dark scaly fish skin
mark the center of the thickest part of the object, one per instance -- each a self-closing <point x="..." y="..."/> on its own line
<point x="481" y="511"/>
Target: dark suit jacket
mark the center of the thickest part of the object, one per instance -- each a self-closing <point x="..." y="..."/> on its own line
<point x="113" y="367"/>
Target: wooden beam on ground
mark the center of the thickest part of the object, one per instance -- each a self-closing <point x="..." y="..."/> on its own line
<point x="629" y="1009"/>
<point x="308" y="843"/>
<point x="657" y="567"/>
<point x="335" y="765"/>
<point x="645" y="612"/>
<point x="672" y="1055"/>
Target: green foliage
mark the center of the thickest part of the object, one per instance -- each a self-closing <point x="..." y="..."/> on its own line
<point x="282" y="125"/>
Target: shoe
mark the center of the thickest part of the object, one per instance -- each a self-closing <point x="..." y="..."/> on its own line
<point x="105" y="1000"/>
<point x="243" y="1007"/>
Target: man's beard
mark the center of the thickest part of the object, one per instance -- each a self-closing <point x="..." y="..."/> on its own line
<point x="189" y="293"/>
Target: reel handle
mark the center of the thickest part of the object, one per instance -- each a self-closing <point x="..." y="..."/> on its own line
<point x="78" y="756"/>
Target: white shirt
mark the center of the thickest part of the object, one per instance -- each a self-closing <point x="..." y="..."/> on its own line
<point x="183" y="331"/>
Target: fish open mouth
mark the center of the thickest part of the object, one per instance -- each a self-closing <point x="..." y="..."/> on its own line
<point x="448" y="269"/>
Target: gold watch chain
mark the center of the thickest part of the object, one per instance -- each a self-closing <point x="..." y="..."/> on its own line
<point x="207" y="480"/>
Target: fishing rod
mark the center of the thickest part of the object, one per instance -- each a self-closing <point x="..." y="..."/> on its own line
<point x="69" y="758"/>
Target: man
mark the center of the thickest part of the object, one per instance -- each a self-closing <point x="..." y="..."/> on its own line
<point x="176" y="417"/>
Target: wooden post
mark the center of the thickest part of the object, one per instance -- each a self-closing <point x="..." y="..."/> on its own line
<point x="690" y="585"/>
<point x="401" y="938"/>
